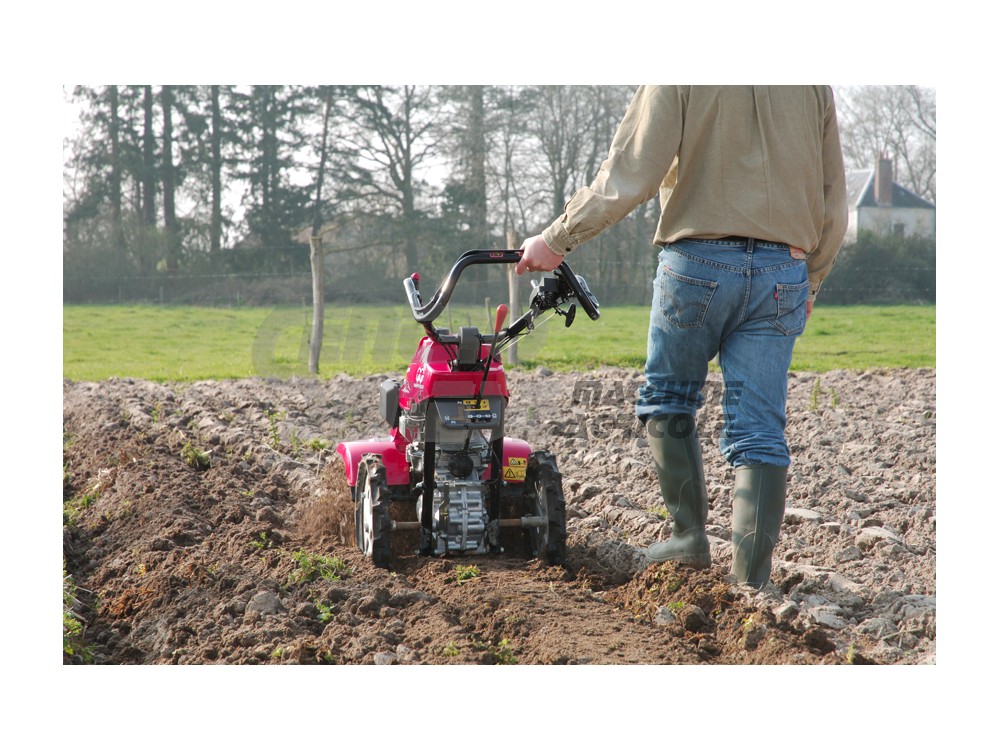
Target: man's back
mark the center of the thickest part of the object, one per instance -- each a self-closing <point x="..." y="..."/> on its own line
<point x="745" y="161"/>
<point x="750" y="161"/>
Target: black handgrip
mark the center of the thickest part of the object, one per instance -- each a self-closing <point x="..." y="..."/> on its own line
<point x="412" y="293"/>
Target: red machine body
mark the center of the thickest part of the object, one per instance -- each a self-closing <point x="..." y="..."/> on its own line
<point x="446" y="454"/>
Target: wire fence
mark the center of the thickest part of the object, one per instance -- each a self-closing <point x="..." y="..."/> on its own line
<point x="875" y="285"/>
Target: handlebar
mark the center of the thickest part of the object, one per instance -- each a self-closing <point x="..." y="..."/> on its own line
<point x="427" y="313"/>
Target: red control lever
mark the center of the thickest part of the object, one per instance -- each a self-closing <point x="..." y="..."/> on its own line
<point x="502" y="311"/>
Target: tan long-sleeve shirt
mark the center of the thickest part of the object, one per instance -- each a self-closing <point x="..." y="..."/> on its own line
<point x="747" y="161"/>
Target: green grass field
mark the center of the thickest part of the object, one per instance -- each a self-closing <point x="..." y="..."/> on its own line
<point x="200" y="343"/>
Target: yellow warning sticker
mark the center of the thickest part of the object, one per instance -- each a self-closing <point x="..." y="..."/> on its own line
<point x="516" y="469"/>
<point x="473" y="404"/>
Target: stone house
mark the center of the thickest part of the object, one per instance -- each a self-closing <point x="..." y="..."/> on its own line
<point x="878" y="204"/>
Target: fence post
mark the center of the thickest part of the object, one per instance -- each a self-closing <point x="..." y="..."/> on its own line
<point x="319" y="302"/>
<point x="514" y="302"/>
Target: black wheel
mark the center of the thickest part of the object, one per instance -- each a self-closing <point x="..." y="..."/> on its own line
<point x="544" y="497"/>
<point x="371" y="511"/>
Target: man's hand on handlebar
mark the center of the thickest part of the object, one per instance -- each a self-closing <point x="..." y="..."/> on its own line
<point x="536" y="256"/>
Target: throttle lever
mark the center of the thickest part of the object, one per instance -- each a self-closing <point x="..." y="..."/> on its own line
<point x="502" y="311"/>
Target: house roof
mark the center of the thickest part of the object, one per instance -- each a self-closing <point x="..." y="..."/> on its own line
<point x="861" y="192"/>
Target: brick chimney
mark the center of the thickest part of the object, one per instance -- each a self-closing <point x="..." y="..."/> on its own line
<point x="883" y="182"/>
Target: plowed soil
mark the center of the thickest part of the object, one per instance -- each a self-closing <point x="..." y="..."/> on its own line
<point x="247" y="556"/>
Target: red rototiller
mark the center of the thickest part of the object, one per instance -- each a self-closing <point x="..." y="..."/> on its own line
<point x="447" y="475"/>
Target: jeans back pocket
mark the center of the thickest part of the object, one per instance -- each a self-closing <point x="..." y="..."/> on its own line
<point x="790" y="316"/>
<point x="684" y="300"/>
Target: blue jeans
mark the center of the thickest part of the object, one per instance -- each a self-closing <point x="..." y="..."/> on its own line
<point x="744" y="300"/>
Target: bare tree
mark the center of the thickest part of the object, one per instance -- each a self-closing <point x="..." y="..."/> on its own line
<point x="922" y="168"/>
<point x="505" y="161"/>
<point x="316" y="241"/>
<point x="562" y="122"/>
<point x="894" y="122"/>
<point x="559" y="136"/>
<point x="395" y="136"/>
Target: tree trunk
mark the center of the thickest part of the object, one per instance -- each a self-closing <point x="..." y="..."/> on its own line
<point x="409" y="232"/>
<point x="117" y="228"/>
<point x="148" y="160"/>
<point x="168" y="177"/>
<point x="319" y="306"/>
<point x="268" y="167"/>
<point x="514" y="299"/>
<point x="316" y="250"/>
<point x="215" y="228"/>
<point x="407" y="188"/>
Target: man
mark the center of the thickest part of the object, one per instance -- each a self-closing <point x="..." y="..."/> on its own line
<point x="753" y="213"/>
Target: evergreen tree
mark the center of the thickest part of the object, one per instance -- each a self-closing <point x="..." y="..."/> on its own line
<point x="464" y="208"/>
<point x="269" y="122"/>
<point x="103" y="164"/>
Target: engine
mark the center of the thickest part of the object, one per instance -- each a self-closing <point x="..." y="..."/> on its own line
<point x="459" y="430"/>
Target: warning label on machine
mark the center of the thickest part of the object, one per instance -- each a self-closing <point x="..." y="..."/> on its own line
<point x="472" y="404"/>
<point x="515" y="469"/>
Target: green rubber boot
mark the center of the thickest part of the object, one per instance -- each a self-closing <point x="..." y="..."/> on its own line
<point x="758" y="509"/>
<point x="677" y="457"/>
